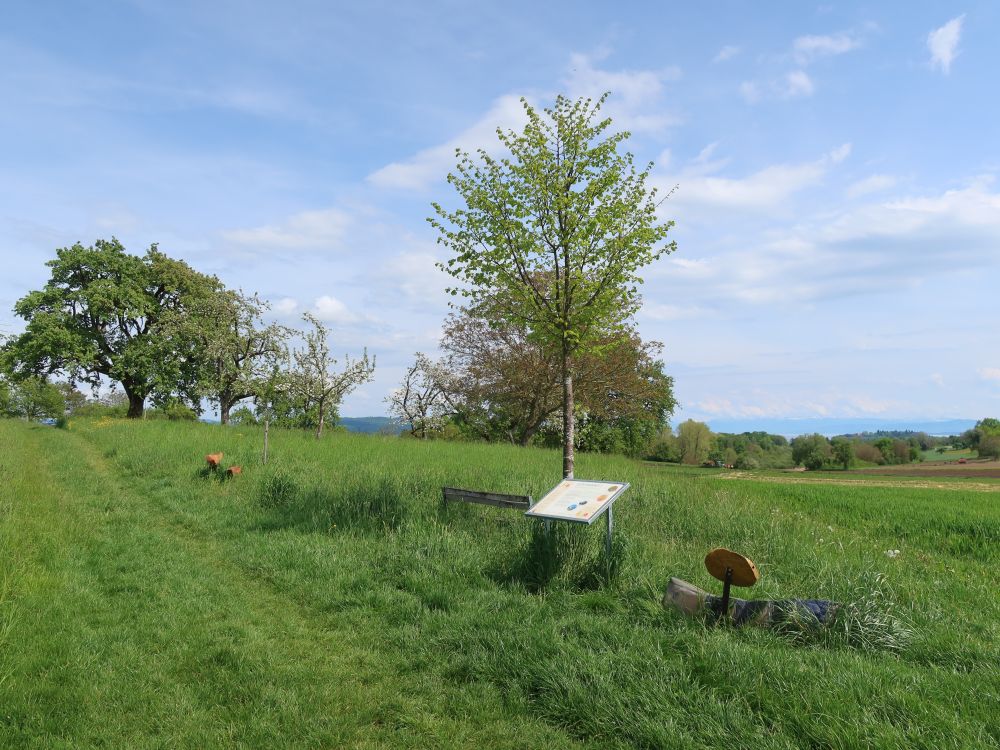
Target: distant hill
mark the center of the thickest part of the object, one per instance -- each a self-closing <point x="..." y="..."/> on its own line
<point x="366" y="424"/>
<point x="830" y="427"/>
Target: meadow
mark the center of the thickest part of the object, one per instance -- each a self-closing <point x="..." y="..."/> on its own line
<point x="327" y="599"/>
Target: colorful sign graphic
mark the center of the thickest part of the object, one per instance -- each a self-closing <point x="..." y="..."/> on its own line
<point x="579" y="500"/>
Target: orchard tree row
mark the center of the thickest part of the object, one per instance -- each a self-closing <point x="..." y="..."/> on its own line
<point x="162" y="332"/>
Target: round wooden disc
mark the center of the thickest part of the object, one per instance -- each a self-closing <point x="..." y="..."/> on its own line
<point x="745" y="573"/>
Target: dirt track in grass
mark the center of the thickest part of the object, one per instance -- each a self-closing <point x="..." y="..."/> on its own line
<point x="911" y="481"/>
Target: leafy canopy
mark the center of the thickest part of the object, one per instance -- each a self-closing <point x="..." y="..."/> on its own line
<point x="98" y="315"/>
<point x="553" y="234"/>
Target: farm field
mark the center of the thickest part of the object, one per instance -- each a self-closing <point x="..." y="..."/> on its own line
<point x="328" y="600"/>
<point x="972" y="469"/>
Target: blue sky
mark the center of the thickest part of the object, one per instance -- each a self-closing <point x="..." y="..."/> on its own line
<point x="838" y="212"/>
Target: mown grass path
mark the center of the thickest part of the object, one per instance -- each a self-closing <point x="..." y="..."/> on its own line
<point x="327" y="600"/>
<point x="125" y="627"/>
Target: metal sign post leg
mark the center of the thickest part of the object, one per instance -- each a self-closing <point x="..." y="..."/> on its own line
<point x="607" y="539"/>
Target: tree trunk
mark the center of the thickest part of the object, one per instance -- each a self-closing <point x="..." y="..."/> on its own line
<point x="225" y="405"/>
<point x="524" y="439"/>
<point x="136" y="403"/>
<point x="568" y="422"/>
<point x="319" y="427"/>
<point x="267" y="424"/>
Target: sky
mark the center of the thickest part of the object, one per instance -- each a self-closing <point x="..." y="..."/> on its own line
<point x="837" y="206"/>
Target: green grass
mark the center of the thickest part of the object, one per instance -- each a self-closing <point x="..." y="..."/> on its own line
<point x="328" y="600"/>
<point x="952" y="454"/>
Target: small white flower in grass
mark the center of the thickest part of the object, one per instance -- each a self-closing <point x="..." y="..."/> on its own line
<point x="892" y="553"/>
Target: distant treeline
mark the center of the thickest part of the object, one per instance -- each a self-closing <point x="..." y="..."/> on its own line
<point x="695" y="444"/>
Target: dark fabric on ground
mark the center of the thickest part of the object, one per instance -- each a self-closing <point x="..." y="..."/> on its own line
<point x="765" y="612"/>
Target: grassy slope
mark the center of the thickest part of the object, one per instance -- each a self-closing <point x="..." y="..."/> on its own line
<point x="143" y="604"/>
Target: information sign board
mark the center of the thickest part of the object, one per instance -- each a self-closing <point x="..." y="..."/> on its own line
<point x="577" y="500"/>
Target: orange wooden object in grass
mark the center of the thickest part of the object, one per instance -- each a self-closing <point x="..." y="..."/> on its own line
<point x="213" y="460"/>
<point x="744" y="573"/>
<point x="730" y="567"/>
<point x="234" y="470"/>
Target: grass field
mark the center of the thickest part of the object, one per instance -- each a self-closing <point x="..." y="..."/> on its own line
<point x="952" y="454"/>
<point x="327" y="600"/>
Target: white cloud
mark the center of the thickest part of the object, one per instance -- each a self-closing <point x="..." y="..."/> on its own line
<point x="332" y="310"/>
<point x="285" y="306"/>
<point x="797" y="83"/>
<point x="938" y="379"/>
<point x="873" y="184"/>
<point x="808" y="48"/>
<point x="873" y="248"/>
<point x="763" y="404"/>
<point x="770" y="187"/>
<point x="415" y="276"/>
<point x="635" y="105"/>
<point x="433" y="164"/>
<point x="308" y="229"/>
<point x="990" y="373"/>
<point x="792" y="85"/>
<point x="662" y="312"/>
<point x="726" y="53"/>
<point x="943" y="43"/>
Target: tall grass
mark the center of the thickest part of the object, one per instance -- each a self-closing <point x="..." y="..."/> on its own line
<point x="469" y="626"/>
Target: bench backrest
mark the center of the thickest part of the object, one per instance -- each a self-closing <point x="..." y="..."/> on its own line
<point x="455" y="494"/>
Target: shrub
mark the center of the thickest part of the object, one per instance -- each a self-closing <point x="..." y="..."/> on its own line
<point x="242" y="416"/>
<point x="178" y="412"/>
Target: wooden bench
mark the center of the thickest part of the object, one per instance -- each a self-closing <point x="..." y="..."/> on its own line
<point x="456" y="494"/>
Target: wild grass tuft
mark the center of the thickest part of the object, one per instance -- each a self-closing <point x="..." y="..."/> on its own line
<point x="278" y="490"/>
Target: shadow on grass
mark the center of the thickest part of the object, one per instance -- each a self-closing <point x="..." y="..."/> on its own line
<point x="208" y="474"/>
<point x="566" y="556"/>
<point x="359" y="505"/>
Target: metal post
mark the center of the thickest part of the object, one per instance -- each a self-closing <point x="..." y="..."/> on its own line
<point x="607" y="539"/>
<point x="725" y="593"/>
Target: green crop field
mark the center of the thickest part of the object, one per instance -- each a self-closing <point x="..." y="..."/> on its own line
<point x="328" y="600"/>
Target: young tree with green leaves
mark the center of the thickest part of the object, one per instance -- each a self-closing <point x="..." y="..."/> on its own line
<point x="314" y="381"/>
<point x="811" y="451"/>
<point x="694" y="442"/>
<point x="35" y="398"/>
<point x="843" y="452"/>
<point x="987" y="438"/>
<point x="225" y="334"/>
<point x="99" y="316"/>
<point x="553" y="235"/>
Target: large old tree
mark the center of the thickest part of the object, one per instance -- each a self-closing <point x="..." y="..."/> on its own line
<point x="99" y="315"/>
<point x="553" y="235"/>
